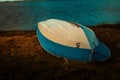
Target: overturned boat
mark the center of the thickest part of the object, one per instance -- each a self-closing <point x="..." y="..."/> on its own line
<point x="71" y="41"/>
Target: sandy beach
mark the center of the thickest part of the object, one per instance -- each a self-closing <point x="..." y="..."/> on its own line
<point x="22" y="58"/>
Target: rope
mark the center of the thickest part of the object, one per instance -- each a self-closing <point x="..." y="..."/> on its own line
<point x="91" y="54"/>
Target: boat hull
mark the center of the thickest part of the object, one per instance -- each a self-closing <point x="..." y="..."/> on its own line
<point x="63" y="51"/>
<point x="100" y="53"/>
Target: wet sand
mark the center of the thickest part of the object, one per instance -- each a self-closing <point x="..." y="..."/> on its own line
<point x="22" y="58"/>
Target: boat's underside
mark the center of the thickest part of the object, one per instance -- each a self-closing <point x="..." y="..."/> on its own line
<point x="72" y="53"/>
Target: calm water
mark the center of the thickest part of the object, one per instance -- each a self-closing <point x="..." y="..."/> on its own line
<point x="26" y="15"/>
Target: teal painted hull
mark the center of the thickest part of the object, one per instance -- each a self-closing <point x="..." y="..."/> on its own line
<point x="72" y="53"/>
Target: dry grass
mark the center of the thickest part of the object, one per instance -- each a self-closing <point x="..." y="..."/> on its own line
<point x="22" y="58"/>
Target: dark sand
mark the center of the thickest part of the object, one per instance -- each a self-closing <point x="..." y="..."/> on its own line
<point x="22" y="58"/>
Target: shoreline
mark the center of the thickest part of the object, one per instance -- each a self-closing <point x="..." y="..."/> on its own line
<point x="22" y="57"/>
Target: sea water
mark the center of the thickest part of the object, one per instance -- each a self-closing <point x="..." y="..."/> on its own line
<point x="26" y="15"/>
